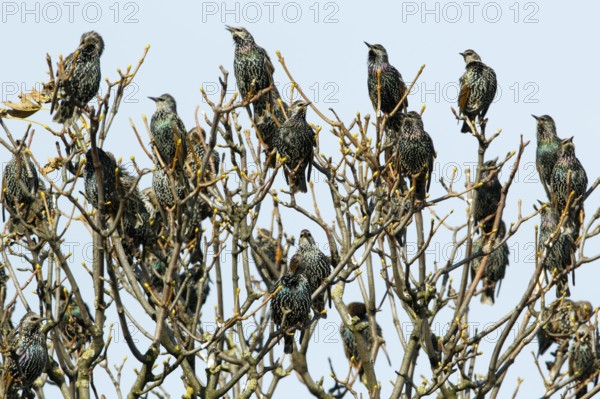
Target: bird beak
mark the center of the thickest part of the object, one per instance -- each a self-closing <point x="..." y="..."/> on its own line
<point x="463" y="54"/>
<point x="368" y="45"/>
<point x="536" y="117"/>
<point x="307" y="104"/>
<point x="230" y="28"/>
<point x="570" y="139"/>
<point x="153" y="99"/>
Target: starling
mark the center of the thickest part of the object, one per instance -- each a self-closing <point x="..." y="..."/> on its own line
<point x="569" y="176"/>
<point x="138" y="214"/>
<point x="358" y="310"/>
<point x="560" y="251"/>
<point x="496" y="264"/>
<point x="81" y="81"/>
<point x="415" y="153"/>
<point x="488" y="196"/>
<point x="290" y="304"/>
<point x="168" y="133"/>
<point x="27" y="357"/>
<point x="20" y="184"/>
<point x="268" y="120"/>
<point x="386" y="87"/>
<point x="198" y="144"/>
<point x="194" y="290"/>
<point x="252" y="66"/>
<point x="477" y="89"/>
<point x="564" y="317"/>
<point x="295" y="142"/>
<point x="582" y="357"/>
<point x="71" y="325"/>
<point x="316" y="267"/>
<point x="548" y="145"/>
<point x="111" y="189"/>
<point x="163" y="190"/>
<point x="271" y="259"/>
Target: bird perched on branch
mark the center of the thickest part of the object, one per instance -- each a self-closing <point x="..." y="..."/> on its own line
<point x="415" y="153"/>
<point x="386" y="86"/>
<point x="569" y="176"/>
<point x="563" y="318"/>
<point x="79" y="80"/>
<point x="583" y="357"/>
<point x="295" y="142"/>
<point x="270" y="248"/>
<point x="20" y="185"/>
<point x="197" y="141"/>
<point x="27" y="357"/>
<point x="168" y="133"/>
<point x="315" y="266"/>
<point x="488" y="196"/>
<point x="111" y="189"/>
<point x="497" y="261"/>
<point x="548" y="146"/>
<point x="268" y="120"/>
<point x="560" y="252"/>
<point x="477" y="89"/>
<point x="291" y="303"/>
<point x="358" y="310"/>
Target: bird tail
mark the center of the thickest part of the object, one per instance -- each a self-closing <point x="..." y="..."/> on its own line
<point x="299" y="182"/>
<point x="487" y="296"/>
<point x="318" y="306"/>
<point x="66" y="113"/>
<point x="465" y="127"/>
<point x="288" y="343"/>
<point x="562" y="287"/>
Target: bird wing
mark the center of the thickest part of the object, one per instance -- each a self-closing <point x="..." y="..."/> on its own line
<point x="463" y="95"/>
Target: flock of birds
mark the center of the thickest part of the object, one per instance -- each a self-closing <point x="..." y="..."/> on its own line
<point x="183" y="157"/>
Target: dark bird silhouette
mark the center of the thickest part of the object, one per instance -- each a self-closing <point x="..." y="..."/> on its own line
<point x="548" y="146"/>
<point x="569" y="176"/>
<point x="268" y="256"/>
<point x="358" y="310"/>
<point x="495" y="267"/>
<point x="111" y="189"/>
<point x="27" y="357"/>
<point x="295" y="142"/>
<point x="415" y="153"/>
<point x="168" y="133"/>
<point x="291" y="303"/>
<point x="563" y="318"/>
<point x="81" y="79"/>
<point x="583" y="357"/>
<point x="477" y="89"/>
<point x="560" y="252"/>
<point x="316" y="267"/>
<point x="488" y="196"/>
<point x="385" y="83"/>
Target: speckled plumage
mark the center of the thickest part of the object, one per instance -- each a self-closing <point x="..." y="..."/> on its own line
<point x="358" y="310"/>
<point x="82" y="81"/>
<point x="488" y="196"/>
<point x="290" y="305"/>
<point x="194" y="158"/>
<point x="273" y="252"/>
<point x="111" y="189"/>
<point x="391" y="85"/>
<point x="548" y="145"/>
<point x="561" y="250"/>
<point x="295" y="142"/>
<point x="20" y="183"/>
<point x="562" y="186"/>
<point x="72" y="326"/>
<point x="162" y="188"/>
<point x="563" y="319"/>
<point x="477" y="89"/>
<point x="28" y="355"/>
<point x="496" y="264"/>
<point x="268" y="120"/>
<point x="415" y="153"/>
<point x="168" y="132"/>
<point x="316" y="267"/>
<point x="582" y="357"/>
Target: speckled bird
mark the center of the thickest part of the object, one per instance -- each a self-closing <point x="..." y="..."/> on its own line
<point x="251" y="64"/>
<point x="168" y="132"/>
<point x="295" y="142"/>
<point x="198" y="143"/>
<point x="270" y="249"/>
<point x="72" y="326"/>
<point x="162" y="188"/>
<point x="81" y="81"/>
<point x="563" y="318"/>
<point x="20" y="184"/>
<point x="28" y="355"/>
<point x="290" y="305"/>
<point x="562" y="185"/>
<point x="111" y="189"/>
<point x="548" y="145"/>
<point x="391" y="85"/>
<point x="358" y="310"/>
<point x="496" y="264"/>
<point x="415" y="153"/>
<point x="488" y="196"/>
<point x="316" y="267"/>
<point x="582" y="357"/>
<point x="560" y="251"/>
<point x="268" y="120"/>
<point x="477" y="89"/>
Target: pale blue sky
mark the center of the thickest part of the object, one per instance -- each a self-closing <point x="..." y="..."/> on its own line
<point x="540" y="50"/>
